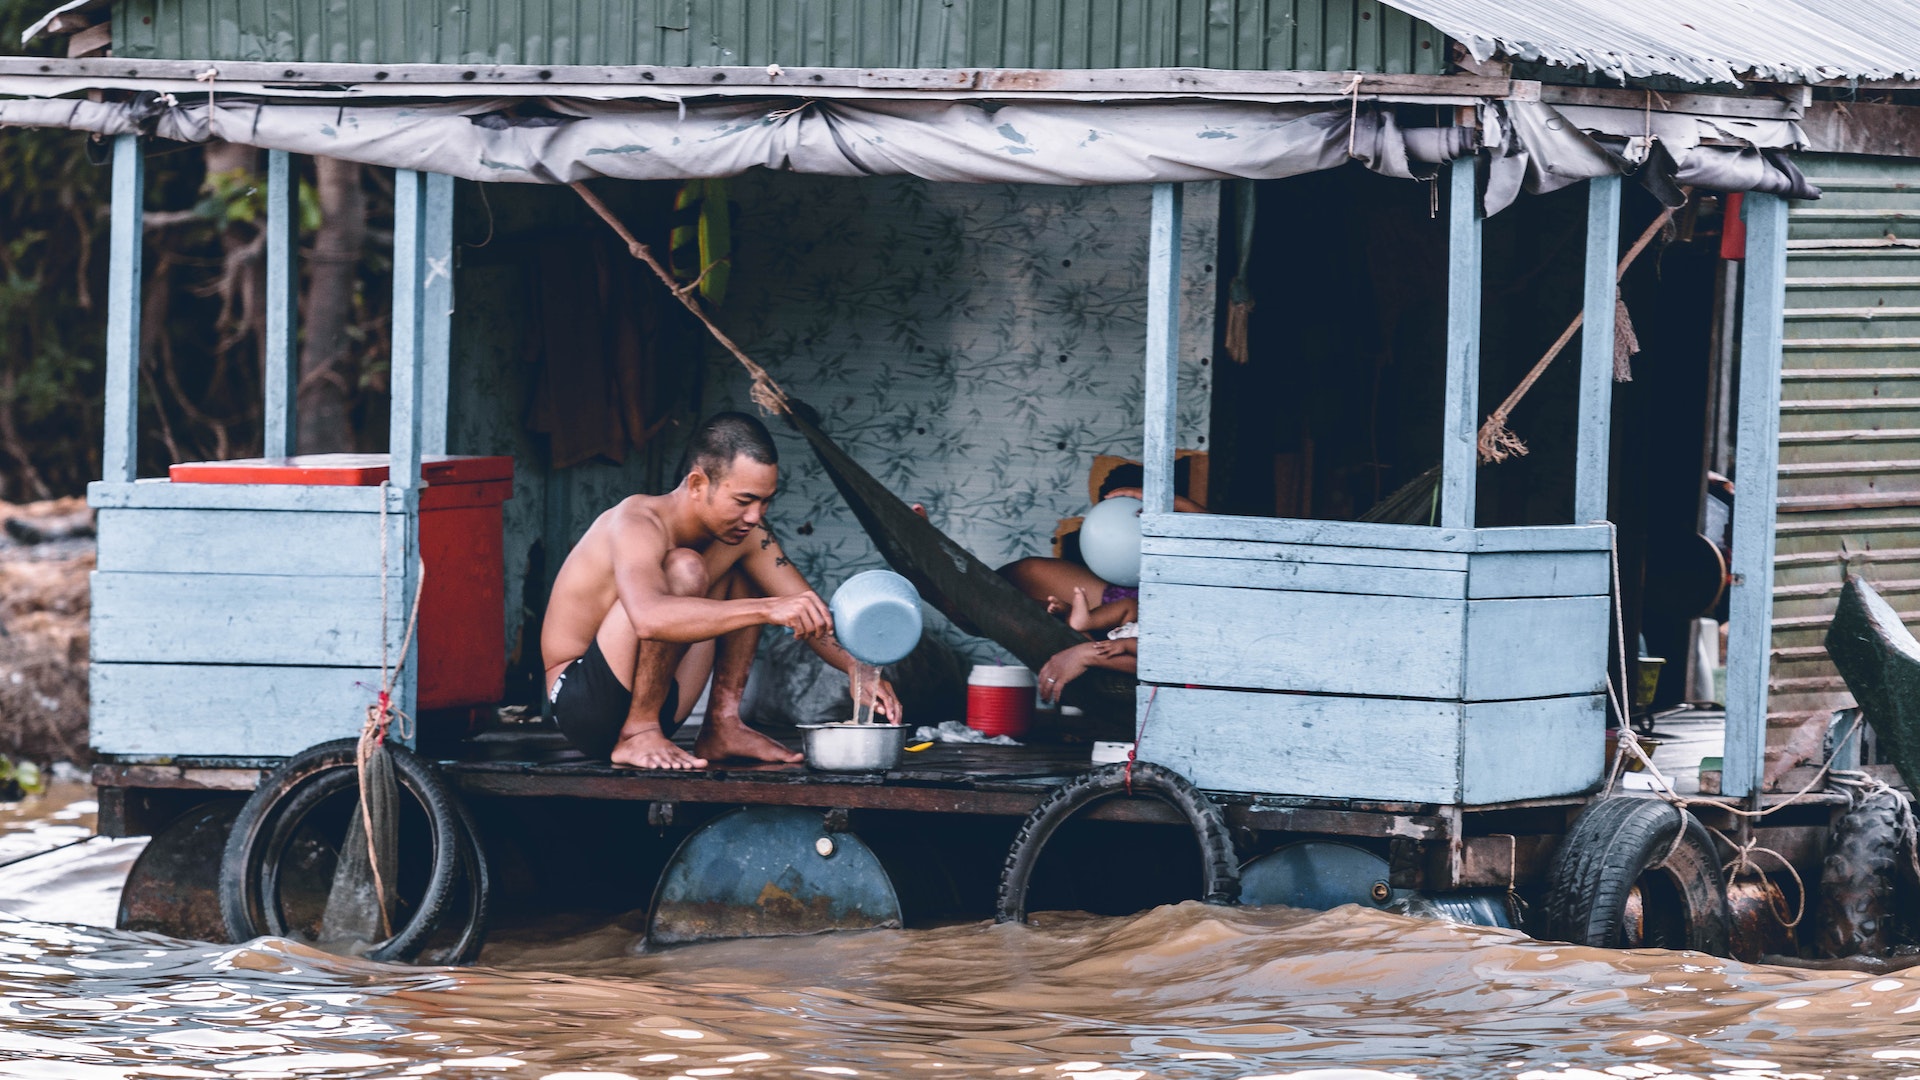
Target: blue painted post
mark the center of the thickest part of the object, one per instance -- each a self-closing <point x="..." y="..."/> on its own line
<point x="281" y="379"/>
<point x="1596" y="351"/>
<point x="409" y="288"/>
<point x="1163" y="347"/>
<point x="119" y="458"/>
<point x="1756" y="472"/>
<point x="437" y="314"/>
<point x="404" y="436"/>
<point x="1460" y="431"/>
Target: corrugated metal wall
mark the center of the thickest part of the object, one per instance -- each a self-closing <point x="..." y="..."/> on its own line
<point x="1274" y="35"/>
<point x="1849" y="413"/>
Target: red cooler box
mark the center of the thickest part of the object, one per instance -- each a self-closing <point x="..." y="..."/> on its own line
<point x="463" y="640"/>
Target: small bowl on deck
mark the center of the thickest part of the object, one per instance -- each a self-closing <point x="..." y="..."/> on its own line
<point x="853" y="747"/>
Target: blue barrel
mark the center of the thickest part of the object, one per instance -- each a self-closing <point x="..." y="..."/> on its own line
<point x="876" y="616"/>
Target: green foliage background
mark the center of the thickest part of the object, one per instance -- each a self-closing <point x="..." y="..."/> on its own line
<point x="53" y="199"/>
<point x="202" y="301"/>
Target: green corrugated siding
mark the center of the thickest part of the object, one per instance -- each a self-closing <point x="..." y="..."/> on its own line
<point x="1270" y="35"/>
<point x="1849" y="494"/>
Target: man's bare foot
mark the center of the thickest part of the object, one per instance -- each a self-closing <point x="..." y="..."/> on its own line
<point x="649" y="749"/>
<point x="732" y="738"/>
<point x="1079" y="616"/>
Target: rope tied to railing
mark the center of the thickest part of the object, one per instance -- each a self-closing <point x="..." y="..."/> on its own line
<point x="382" y="717"/>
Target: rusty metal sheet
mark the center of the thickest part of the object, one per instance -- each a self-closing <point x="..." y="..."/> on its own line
<point x="770" y="871"/>
<point x="1849" y="493"/>
<point x="174" y="886"/>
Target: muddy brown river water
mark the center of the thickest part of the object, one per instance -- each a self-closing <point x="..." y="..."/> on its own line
<point x="1185" y="991"/>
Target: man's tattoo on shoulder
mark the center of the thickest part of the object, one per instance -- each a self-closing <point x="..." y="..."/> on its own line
<point x="767" y="541"/>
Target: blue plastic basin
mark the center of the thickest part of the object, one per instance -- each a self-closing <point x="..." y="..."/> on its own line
<point x="876" y="616"/>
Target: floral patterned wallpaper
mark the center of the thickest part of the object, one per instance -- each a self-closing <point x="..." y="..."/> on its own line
<point x="972" y="346"/>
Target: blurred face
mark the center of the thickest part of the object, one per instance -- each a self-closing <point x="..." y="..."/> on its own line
<point x="733" y="506"/>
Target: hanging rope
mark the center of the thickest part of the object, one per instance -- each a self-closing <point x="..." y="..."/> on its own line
<point x="1497" y="441"/>
<point x="381" y="715"/>
<point x="1353" y="116"/>
<point x="765" y="392"/>
<point x="1133" y="751"/>
<point x="1857" y="783"/>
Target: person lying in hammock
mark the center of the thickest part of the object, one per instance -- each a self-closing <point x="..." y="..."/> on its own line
<point x="664" y="591"/>
<point x="1069" y="588"/>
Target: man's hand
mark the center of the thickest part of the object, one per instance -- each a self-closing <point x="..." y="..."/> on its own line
<point x="803" y="613"/>
<point x="880" y="693"/>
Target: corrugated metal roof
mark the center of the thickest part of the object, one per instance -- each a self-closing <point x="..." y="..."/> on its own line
<point x="1250" y="35"/>
<point x="1702" y="41"/>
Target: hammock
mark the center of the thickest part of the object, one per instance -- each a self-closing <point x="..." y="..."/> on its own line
<point x="948" y="576"/>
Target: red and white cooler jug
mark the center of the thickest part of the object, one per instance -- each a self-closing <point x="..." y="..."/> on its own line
<point x="1000" y="700"/>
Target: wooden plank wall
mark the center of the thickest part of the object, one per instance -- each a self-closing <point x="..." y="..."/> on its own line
<point x="239" y="629"/>
<point x="1387" y="748"/>
<point x="1354" y="660"/>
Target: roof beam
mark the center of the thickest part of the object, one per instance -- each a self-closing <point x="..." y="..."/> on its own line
<point x="1756" y="107"/>
<point x="513" y="79"/>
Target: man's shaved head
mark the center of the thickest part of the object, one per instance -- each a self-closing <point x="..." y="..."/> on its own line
<point x="724" y="437"/>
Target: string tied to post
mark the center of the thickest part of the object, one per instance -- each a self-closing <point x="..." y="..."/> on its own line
<point x="383" y="718"/>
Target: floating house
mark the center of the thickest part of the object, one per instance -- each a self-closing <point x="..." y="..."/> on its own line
<point x="1314" y="241"/>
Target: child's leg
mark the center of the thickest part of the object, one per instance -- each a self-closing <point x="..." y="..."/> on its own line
<point x="1104" y="617"/>
<point x="1078" y="616"/>
<point x="1108" y="616"/>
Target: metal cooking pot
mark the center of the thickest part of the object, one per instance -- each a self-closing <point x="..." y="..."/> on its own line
<point x="853" y="747"/>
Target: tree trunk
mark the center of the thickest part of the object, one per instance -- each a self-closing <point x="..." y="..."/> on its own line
<point x="327" y="380"/>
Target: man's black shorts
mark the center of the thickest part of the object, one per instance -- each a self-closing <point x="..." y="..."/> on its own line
<point x="591" y="706"/>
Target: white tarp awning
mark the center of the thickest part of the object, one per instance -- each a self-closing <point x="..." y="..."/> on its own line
<point x="1532" y="146"/>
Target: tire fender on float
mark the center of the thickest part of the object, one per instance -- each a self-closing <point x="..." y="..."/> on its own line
<point x="283" y="812"/>
<point x="1220" y="867"/>
<point x="1633" y="873"/>
<point x="1857" y="879"/>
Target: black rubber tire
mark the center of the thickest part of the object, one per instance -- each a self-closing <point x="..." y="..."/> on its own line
<point x="251" y="867"/>
<point x="1858" y="880"/>
<point x="1220" y="867"/>
<point x="471" y="897"/>
<point x="1619" y="843"/>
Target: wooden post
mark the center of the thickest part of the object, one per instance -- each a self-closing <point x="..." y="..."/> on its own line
<point x="120" y="456"/>
<point x="281" y="379"/>
<point x="1460" y="430"/>
<point x="1756" y="475"/>
<point x="409" y="280"/>
<point x="437" y="314"/>
<point x="404" y="436"/>
<point x="1163" y="348"/>
<point x="1596" y="351"/>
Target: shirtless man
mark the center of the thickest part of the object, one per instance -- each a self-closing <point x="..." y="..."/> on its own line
<point x="665" y="590"/>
